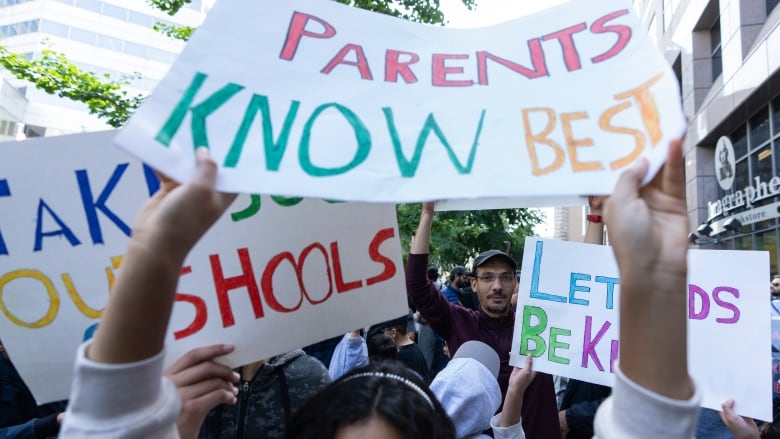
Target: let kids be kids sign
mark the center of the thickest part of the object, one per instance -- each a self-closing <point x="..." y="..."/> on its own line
<point x="272" y="275"/>
<point x="315" y="98"/>
<point x="568" y="307"/>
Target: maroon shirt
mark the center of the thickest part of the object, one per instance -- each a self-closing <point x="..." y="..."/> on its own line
<point x="458" y="325"/>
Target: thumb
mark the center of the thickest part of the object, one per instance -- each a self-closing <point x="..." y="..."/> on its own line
<point x="630" y="181"/>
<point x="205" y="168"/>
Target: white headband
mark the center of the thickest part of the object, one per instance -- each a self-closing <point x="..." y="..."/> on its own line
<point x="392" y="376"/>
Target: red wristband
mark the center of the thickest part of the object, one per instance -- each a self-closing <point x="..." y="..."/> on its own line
<point x="594" y="218"/>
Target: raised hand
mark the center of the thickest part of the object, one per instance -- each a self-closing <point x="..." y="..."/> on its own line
<point x="202" y="384"/>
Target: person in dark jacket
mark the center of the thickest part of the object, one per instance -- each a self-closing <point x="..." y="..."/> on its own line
<point x="579" y="406"/>
<point x="269" y="394"/>
<point x="20" y="415"/>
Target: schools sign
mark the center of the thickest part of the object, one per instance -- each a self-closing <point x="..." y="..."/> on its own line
<point x="273" y="274"/>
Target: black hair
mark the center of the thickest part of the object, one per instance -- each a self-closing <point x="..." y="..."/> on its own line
<point x="359" y="396"/>
<point x="433" y="273"/>
<point x="381" y="347"/>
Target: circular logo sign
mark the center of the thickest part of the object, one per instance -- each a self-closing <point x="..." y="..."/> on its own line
<point x="724" y="163"/>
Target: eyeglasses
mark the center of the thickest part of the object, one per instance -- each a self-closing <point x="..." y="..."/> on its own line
<point x="490" y="278"/>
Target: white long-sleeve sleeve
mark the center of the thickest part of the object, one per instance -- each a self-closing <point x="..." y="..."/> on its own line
<point x="635" y="412"/>
<point x="512" y="432"/>
<point x="123" y="401"/>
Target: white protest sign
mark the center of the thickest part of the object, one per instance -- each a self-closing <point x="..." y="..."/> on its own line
<point x="315" y="98"/>
<point x="272" y="275"/>
<point x="568" y="307"/>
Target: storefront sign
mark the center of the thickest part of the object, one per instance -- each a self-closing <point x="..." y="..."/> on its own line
<point x="725" y="171"/>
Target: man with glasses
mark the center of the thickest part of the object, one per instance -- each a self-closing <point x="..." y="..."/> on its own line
<point x="493" y="280"/>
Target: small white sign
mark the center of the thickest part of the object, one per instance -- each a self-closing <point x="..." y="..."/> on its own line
<point x="568" y="309"/>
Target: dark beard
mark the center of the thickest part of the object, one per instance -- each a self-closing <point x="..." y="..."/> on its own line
<point x="497" y="309"/>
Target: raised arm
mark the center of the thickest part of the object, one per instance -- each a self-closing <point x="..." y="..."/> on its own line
<point x="167" y="227"/>
<point x="649" y="229"/>
<point x="421" y="244"/>
<point x="422" y="293"/>
<point x="594" y="226"/>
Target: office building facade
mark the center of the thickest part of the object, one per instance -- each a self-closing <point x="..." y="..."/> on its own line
<point x="106" y="37"/>
<point x="726" y="54"/>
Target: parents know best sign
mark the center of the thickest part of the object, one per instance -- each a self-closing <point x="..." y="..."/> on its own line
<point x="272" y="275"/>
<point x="315" y="98"/>
<point x="567" y="318"/>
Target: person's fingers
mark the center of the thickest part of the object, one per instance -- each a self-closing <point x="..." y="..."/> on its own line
<point x="198" y="407"/>
<point x="673" y="173"/>
<point x="627" y="187"/>
<point x="203" y="371"/>
<point x="205" y="168"/>
<point x="529" y="363"/>
<point x="198" y="355"/>
<point x="427" y="206"/>
<point x="728" y="415"/>
<point x="200" y="388"/>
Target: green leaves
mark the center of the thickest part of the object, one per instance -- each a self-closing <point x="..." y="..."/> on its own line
<point x="54" y="74"/>
<point x="171" y="7"/>
<point x="173" y="31"/>
<point x="421" y="11"/>
<point x="458" y="236"/>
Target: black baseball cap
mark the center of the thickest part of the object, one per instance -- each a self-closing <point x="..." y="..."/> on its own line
<point x="459" y="269"/>
<point x="490" y="254"/>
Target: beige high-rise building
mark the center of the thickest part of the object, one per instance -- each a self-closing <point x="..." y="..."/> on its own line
<point x="726" y="54"/>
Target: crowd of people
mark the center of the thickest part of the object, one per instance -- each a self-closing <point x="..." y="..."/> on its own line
<point x="440" y="372"/>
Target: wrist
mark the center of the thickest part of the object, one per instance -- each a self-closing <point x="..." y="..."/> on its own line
<point x="594" y="218"/>
<point x="154" y="252"/>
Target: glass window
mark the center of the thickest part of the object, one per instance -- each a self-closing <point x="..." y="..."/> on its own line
<point x="759" y="128"/>
<point x="92" y="5"/>
<point x="767" y="241"/>
<point x="776" y="115"/>
<point x="717" y="62"/>
<point x="160" y="55"/>
<point x="739" y="140"/>
<point x="139" y="18"/>
<point x="743" y="243"/>
<point x="114" y="11"/>
<point x="84" y="36"/>
<point x="135" y="49"/>
<point x="109" y="42"/>
<point x="770" y="5"/>
<point x="54" y="28"/>
<point x="741" y="177"/>
<point x="761" y="163"/>
<point x="11" y="128"/>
